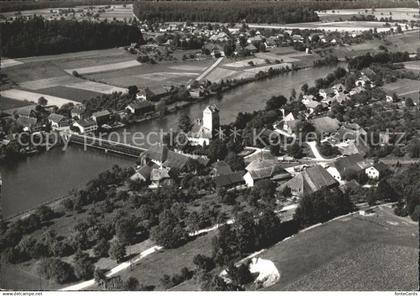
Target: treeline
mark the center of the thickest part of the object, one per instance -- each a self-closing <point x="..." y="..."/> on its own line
<point x="223" y="11"/>
<point x="365" y="61"/>
<point x="38" y="36"/>
<point x="28" y="5"/>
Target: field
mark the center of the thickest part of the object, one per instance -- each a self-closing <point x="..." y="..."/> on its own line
<point x="396" y="13"/>
<point x="105" y="71"/>
<point x="6" y="103"/>
<point x="24" y="96"/>
<point x="118" y="12"/>
<point x="343" y="26"/>
<point x="158" y="77"/>
<point x="404" y="88"/>
<point x="379" y="252"/>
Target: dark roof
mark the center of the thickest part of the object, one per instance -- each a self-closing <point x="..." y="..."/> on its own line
<point x="381" y="167"/>
<point x="26" y="121"/>
<point x="354" y="163"/>
<point x="86" y="122"/>
<point x="137" y="105"/>
<point x="101" y="113"/>
<point x="176" y="160"/>
<point x="55" y="117"/>
<point x="157" y="152"/>
<point x="231" y="179"/>
<point x="221" y="168"/>
<point x="311" y="180"/>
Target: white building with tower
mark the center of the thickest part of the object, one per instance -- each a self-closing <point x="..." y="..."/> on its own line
<point x="203" y="130"/>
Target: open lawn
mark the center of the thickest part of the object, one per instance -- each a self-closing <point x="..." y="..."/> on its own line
<point x="74" y="94"/>
<point x="378" y="252"/>
<point x="395" y="13"/>
<point x="23" y="95"/>
<point x="404" y="88"/>
<point x="6" y="103"/>
<point x="157" y="77"/>
<point x="413" y="66"/>
<point x="104" y="68"/>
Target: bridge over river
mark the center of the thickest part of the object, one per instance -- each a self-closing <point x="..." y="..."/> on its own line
<point x="105" y="145"/>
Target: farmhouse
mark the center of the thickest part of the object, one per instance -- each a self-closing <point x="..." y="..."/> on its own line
<point x="144" y="94"/>
<point x="159" y="176"/>
<point x="310" y="181"/>
<point x="86" y="125"/>
<point x="162" y="156"/>
<point x="264" y="169"/>
<point x="376" y="171"/>
<point x="230" y="180"/>
<point x="140" y="107"/>
<point x="143" y="173"/>
<point x="220" y="168"/>
<point x="101" y="117"/>
<point x="349" y="165"/>
<point x="57" y="120"/>
<point x="29" y="124"/>
<point x="77" y="111"/>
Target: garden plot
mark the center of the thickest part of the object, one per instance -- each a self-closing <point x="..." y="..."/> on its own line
<point x="245" y="63"/>
<point x="404" y="88"/>
<point x="159" y="76"/>
<point x="188" y="68"/>
<point x="74" y="94"/>
<point x="47" y="82"/>
<point x="104" y="68"/>
<point x="97" y="87"/>
<point x="6" y="63"/>
<point x="23" y="95"/>
<point x="220" y="73"/>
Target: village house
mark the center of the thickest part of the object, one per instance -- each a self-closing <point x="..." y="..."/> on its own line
<point x="231" y="180"/>
<point x="309" y="181"/>
<point x="163" y="157"/>
<point x="85" y="126"/>
<point x="350" y="165"/>
<point x="57" y="121"/>
<point x="140" y="107"/>
<point x="144" y="94"/>
<point x="29" y="124"/>
<point x="160" y="177"/>
<point x="376" y="171"/>
<point x="27" y="112"/>
<point x="77" y="111"/>
<point x="264" y="169"/>
<point x="143" y="173"/>
<point x="101" y="117"/>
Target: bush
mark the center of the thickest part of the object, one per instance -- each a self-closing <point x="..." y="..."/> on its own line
<point x="57" y="270"/>
<point x="117" y="251"/>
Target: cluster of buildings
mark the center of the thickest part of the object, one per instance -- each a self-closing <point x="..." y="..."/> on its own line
<point x="239" y="39"/>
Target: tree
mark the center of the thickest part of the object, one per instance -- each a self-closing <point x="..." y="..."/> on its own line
<point x="184" y="123"/>
<point x="239" y="275"/>
<point x="45" y="213"/>
<point x="131" y="284"/>
<point x="42" y="101"/>
<point x="217" y="150"/>
<point x="304" y="88"/>
<point x="169" y="233"/>
<point x="234" y="161"/>
<point x="101" y="248"/>
<point x="55" y="269"/>
<point x="132" y="90"/>
<point x="275" y="103"/>
<point x="203" y="262"/>
<point x="414" y="148"/>
<point x="295" y="151"/>
<point x="125" y="230"/>
<point x="117" y="251"/>
<point x="83" y="266"/>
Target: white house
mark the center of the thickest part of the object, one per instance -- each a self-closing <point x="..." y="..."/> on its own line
<point x="86" y="125"/>
<point x="375" y="171"/>
<point x="57" y="120"/>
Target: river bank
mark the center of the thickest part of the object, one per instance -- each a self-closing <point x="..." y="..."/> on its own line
<point x="44" y="177"/>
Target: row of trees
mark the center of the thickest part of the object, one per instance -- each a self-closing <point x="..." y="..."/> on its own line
<point x="38" y="36"/>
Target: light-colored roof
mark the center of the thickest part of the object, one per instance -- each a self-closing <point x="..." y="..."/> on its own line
<point x="325" y="124"/>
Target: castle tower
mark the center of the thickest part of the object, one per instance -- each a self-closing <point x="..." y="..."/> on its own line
<point x="211" y="119"/>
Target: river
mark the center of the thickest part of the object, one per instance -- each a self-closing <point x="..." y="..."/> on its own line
<point x="47" y="176"/>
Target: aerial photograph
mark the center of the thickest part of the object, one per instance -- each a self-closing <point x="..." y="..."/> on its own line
<point x="209" y="145"/>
